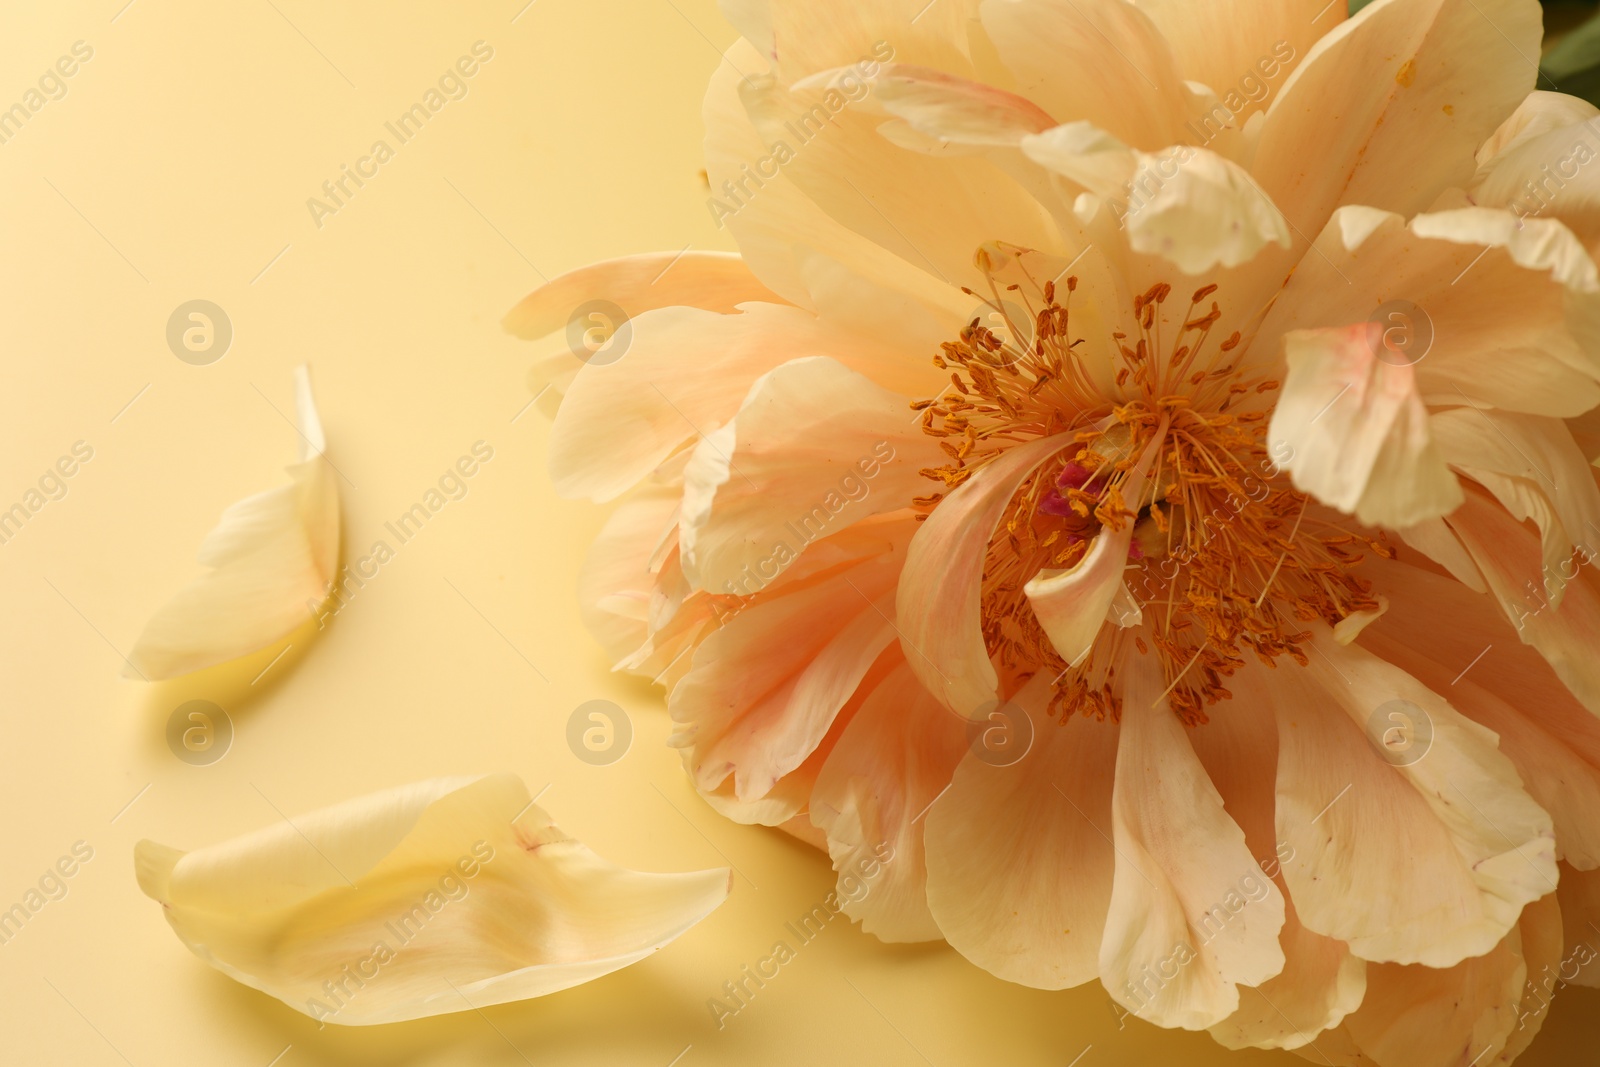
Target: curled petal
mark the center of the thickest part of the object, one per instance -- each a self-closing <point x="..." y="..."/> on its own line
<point x="434" y="897"/>
<point x="272" y="558"/>
<point x="1356" y="431"/>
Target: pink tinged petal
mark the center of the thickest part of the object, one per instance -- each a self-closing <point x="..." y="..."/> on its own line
<point x="939" y="601"/>
<point x="814" y="448"/>
<point x="1181" y="933"/>
<point x="1096" y="59"/>
<point x="617" y="581"/>
<point x="1475" y="324"/>
<point x="684" y="372"/>
<point x="1509" y="556"/>
<point x="1321" y="981"/>
<point x="1356" y="432"/>
<point x="1579" y="896"/>
<point x="713" y="281"/>
<point x="895" y="758"/>
<point x="1418" y="1016"/>
<point x="1476" y="848"/>
<point x="765" y="687"/>
<point x="1379" y="113"/>
<point x="1242" y="49"/>
<point x="1019" y="857"/>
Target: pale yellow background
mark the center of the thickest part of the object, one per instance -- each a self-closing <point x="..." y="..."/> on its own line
<point x="177" y="167"/>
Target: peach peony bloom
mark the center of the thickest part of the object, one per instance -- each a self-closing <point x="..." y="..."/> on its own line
<point x="1133" y="473"/>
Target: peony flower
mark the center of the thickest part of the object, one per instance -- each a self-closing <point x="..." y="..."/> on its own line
<point x="435" y="897"/>
<point x="1133" y="472"/>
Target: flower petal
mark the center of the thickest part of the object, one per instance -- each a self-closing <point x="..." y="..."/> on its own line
<point x="894" y="759"/>
<point x="434" y="897"/>
<point x="814" y="448"/>
<point x="273" y="559"/>
<point x="1476" y="847"/>
<point x="939" y="600"/>
<point x="1579" y="895"/>
<point x="1475" y="324"/>
<point x="1103" y="60"/>
<point x="767" y="685"/>
<point x="1356" y="432"/>
<point x="1426" y="1017"/>
<point x="1181" y="899"/>
<point x="1019" y="857"/>
<point x="1380" y="113"/>
<point x="713" y="281"/>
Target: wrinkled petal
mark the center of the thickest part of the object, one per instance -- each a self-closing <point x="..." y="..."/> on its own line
<point x="895" y="758"/>
<point x="1180" y="900"/>
<point x="273" y="558"/>
<point x="1428" y="861"/>
<point x="434" y="897"/>
<point x="814" y="448"/>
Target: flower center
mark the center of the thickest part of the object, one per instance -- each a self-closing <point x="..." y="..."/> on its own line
<point x="1225" y="556"/>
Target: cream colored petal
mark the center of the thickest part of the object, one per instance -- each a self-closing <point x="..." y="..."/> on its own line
<point x="1508" y="553"/>
<point x="1321" y="982"/>
<point x="272" y="558"/>
<point x="939" y="598"/>
<point x="1534" y="468"/>
<point x="1241" y="49"/>
<point x="766" y="687"/>
<point x="1083" y="153"/>
<point x="1418" y="1016"/>
<point x="1536" y="244"/>
<point x="1539" y="113"/>
<point x="1184" y="929"/>
<point x="684" y="372"/>
<point x="1428" y="861"/>
<point x="955" y="110"/>
<point x="1473" y="324"/>
<point x="802" y="37"/>
<point x="1019" y="856"/>
<point x="1102" y="60"/>
<point x="814" y="448"/>
<point x="932" y="211"/>
<point x="435" y="897"/>
<point x="712" y="281"/>
<point x="895" y="758"/>
<point x="1356" y="432"/>
<point x="1380" y="112"/>
<point x="796" y="248"/>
